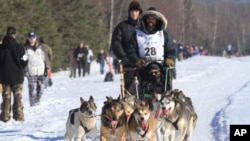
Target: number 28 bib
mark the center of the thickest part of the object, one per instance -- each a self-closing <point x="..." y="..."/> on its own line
<point x="150" y="46"/>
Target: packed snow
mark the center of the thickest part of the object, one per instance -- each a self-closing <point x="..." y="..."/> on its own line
<point x="219" y="88"/>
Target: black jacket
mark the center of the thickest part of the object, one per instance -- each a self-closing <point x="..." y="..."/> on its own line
<point x="121" y="38"/>
<point x="84" y="53"/>
<point x="11" y="67"/>
<point x="101" y="58"/>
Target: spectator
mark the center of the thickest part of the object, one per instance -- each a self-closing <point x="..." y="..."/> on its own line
<point x="48" y="56"/>
<point x="72" y="61"/>
<point x="224" y="53"/>
<point x="109" y="75"/>
<point x="180" y="52"/>
<point x="110" y="62"/>
<point x="121" y="37"/>
<point x="196" y="51"/>
<point x="12" y="76"/>
<point x="229" y="50"/>
<point x="81" y="54"/>
<point x="101" y="59"/>
<point x="89" y="59"/>
<point x="37" y="67"/>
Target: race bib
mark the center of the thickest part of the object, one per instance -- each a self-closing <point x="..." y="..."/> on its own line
<point x="150" y="46"/>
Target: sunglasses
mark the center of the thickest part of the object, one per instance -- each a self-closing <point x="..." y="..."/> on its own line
<point x="155" y="72"/>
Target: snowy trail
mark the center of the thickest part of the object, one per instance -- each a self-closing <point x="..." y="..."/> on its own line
<point x="218" y="87"/>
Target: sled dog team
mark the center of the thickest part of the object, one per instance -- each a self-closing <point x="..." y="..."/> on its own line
<point x="171" y="118"/>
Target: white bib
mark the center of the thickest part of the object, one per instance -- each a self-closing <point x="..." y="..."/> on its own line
<point x="150" y="46"/>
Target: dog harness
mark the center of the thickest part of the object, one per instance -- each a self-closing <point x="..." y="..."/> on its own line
<point x="174" y="123"/>
<point x="72" y="117"/>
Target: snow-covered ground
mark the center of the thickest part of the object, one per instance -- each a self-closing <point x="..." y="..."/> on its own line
<point x="219" y="88"/>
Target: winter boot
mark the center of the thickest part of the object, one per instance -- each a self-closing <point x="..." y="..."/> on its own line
<point x="5" y="114"/>
<point x="18" y="112"/>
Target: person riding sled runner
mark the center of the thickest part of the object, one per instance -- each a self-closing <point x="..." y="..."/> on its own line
<point x="120" y="42"/>
<point x="152" y="51"/>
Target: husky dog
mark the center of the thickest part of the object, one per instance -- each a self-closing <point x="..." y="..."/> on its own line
<point x="176" y="93"/>
<point x="128" y="103"/>
<point x="81" y="121"/>
<point x="187" y="100"/>
<point x="177" y="112"/>
<point x="113" y="121"/>
<point x="165" y="131"/>
<point x="142" y="123"/>
<point x="109" y="99"/>
<point x="129" y="98"/>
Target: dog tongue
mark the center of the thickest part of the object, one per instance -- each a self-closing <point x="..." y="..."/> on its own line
<point x="158" y="113"/>
<point x="128" y="117"/>
<point x="113" y="124"/>
<point x="143" y="125"/>
<point x="166" y="112"/>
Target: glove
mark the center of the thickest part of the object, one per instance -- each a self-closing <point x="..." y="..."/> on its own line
<point x="169" y="62"/>
<point x="50" y="82"/>
<point x="45" y="74"/>
<point x="140" y="63"/>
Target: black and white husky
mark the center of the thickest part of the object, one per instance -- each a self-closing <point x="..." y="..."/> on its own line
<point x="81" y="121"/>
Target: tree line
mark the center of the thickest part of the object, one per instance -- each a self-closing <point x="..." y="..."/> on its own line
<point x="212" y="24"/>
<point x="61" y="22"/>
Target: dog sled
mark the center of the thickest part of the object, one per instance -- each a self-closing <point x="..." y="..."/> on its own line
<point x="174" y="113"/>
<point x="153" y="77"/>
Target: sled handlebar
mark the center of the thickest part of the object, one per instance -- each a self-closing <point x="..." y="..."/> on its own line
<point x="142" y="68"/>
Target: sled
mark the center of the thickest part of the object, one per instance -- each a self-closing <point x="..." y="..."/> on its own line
<point x="143" y="85"/>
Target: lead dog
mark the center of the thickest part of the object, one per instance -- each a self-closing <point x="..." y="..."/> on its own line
<point x="179" y="114"/>
<point x="81" y="121"/>
<point x="187" y="100"/>
<point x="165" y="130"/>
<point x="113" y="120"/>
<point x="128" y="102"/>
<point x="142" y="123"/>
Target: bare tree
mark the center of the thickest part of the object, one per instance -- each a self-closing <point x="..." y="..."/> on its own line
<point x="111" y="21"/>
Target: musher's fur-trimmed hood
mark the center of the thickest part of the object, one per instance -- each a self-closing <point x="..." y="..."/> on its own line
<point x="161" y="23"/>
